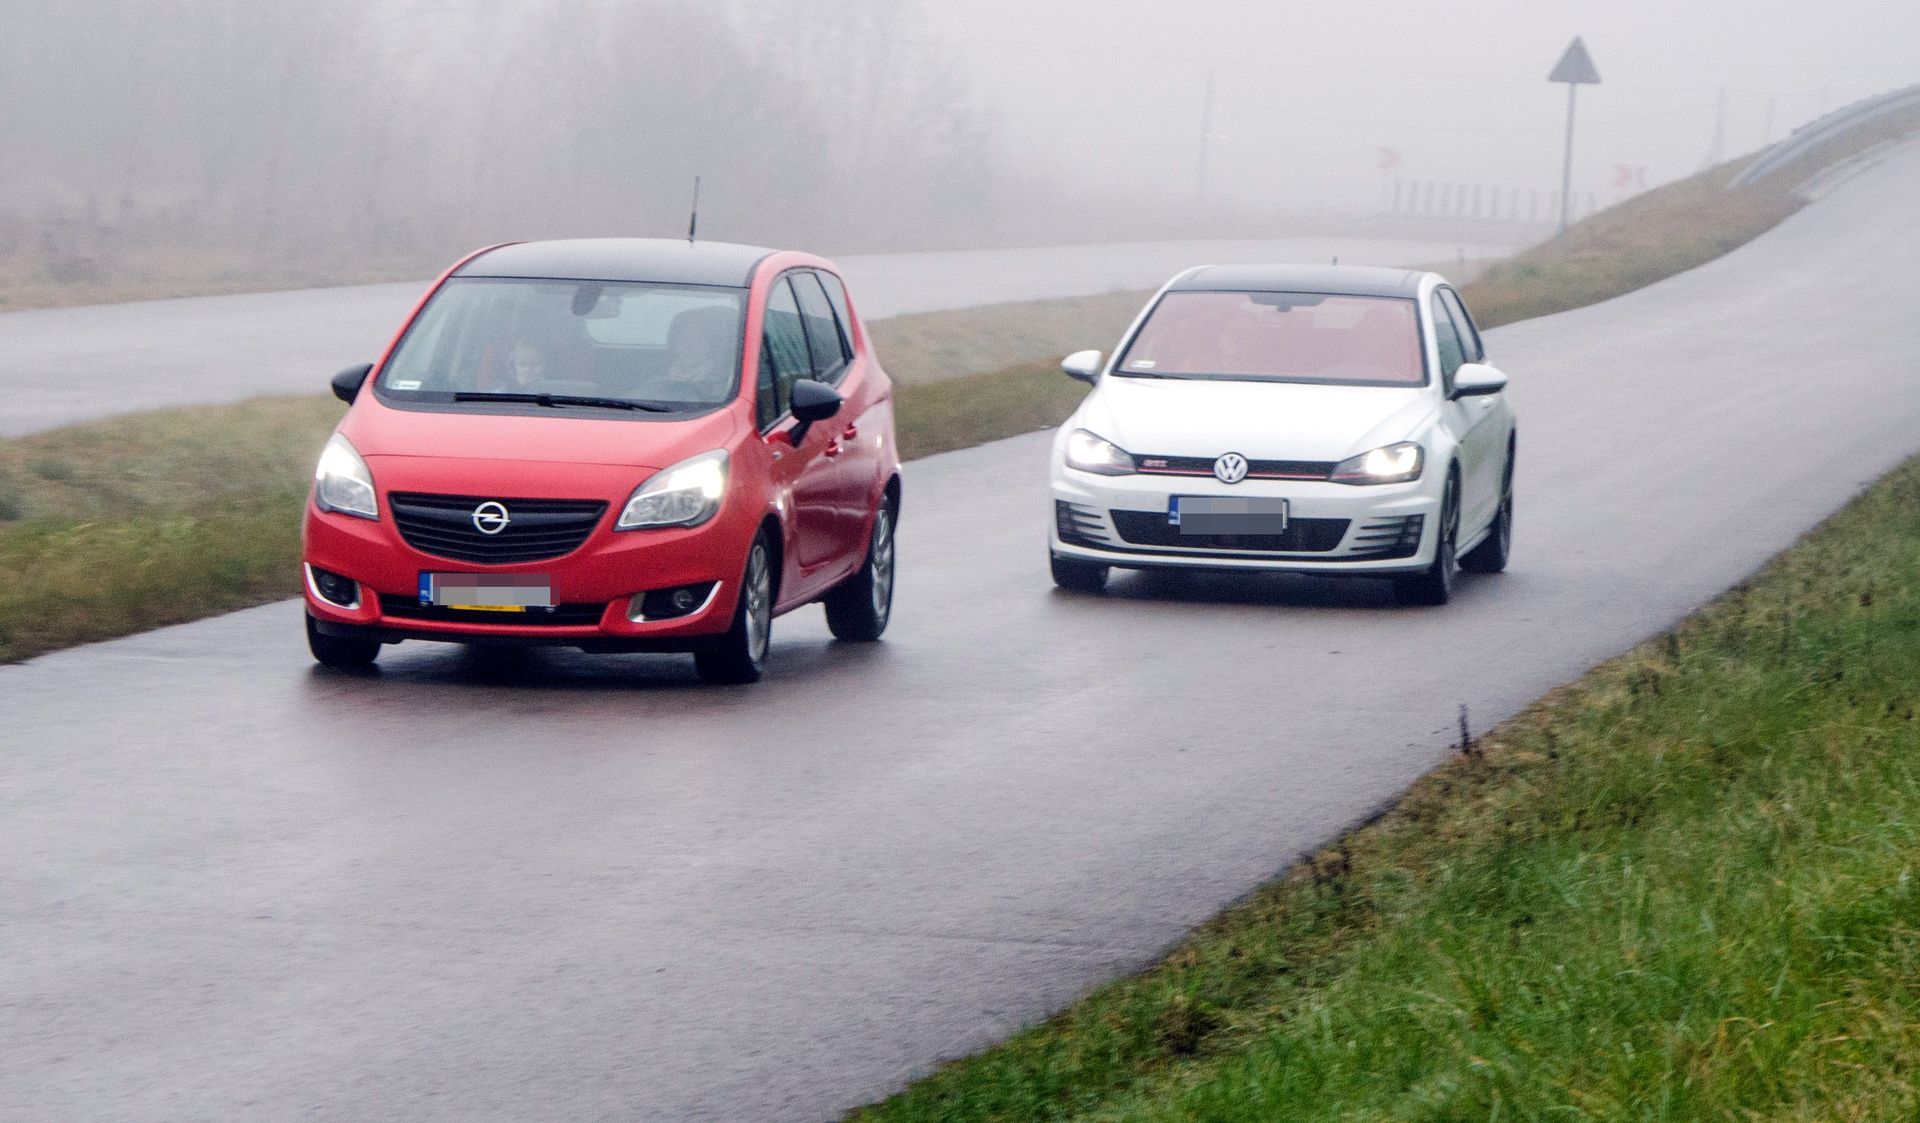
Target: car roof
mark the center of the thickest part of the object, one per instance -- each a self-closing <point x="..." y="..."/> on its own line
<point x="670" y="260"/>
<point x="1341" y="280"/>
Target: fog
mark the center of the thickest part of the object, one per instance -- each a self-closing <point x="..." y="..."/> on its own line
<point x="368" y="136"/>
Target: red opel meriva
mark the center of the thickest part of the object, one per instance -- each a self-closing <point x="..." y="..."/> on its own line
<point x="617" y="445"/>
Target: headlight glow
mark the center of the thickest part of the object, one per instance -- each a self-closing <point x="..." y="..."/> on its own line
<point x="342" y="483"/>
<point x="1088" y="452"/>
<point x="686" y="494"/>
<point x="1393" y="464"/>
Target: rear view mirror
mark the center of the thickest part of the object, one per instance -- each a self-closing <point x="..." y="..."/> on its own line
<point x="1475" y="379"/>
<point x="1083" y="365"/>
<point x="346" y="384"/>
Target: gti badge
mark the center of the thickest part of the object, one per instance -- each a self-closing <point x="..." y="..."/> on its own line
<point x="491" y="517"/>
<point x="1231" y="468"/>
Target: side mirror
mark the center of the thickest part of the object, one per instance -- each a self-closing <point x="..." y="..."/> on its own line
<point x="346" y="384"/>
<point x="1083" y="365"/>
<point x="812" y="401"/>
<point x="1473" y="380"/>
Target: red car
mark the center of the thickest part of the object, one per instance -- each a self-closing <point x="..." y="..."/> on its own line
<point x="610" y="444"/>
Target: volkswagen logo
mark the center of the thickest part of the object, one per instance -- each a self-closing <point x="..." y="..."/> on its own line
<point x="1231" y="468"/>
<point x="491" y="517"/>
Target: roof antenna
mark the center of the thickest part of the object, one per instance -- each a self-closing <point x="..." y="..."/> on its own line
<point x="693" y="223"/>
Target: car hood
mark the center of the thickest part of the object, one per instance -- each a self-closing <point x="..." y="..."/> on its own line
<point x="380" y="431"/>
<point x="1260" y="420"/>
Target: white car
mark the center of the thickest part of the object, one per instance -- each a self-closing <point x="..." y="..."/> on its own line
<point x="1312" y="419"/>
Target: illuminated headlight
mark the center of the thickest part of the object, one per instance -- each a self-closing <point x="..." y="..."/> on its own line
<point x="686" y="494"/>
<point x="342" y="483"/>
<point x="1390" y="465"/>
<point x="1089" y="453"/>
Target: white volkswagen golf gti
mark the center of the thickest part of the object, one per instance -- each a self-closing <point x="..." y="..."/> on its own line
<point x="1313" y="419"/>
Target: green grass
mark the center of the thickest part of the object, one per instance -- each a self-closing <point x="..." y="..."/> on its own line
<point x="1683" y="888"/>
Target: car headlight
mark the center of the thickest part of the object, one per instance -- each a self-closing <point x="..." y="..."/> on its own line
<point x="1089" y="453"/>
<point x="1393" y="464"/>
<point x="342" y="483"/>
<point x="686" y="494"/>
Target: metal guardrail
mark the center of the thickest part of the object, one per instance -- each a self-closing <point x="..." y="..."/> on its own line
<point x="1809" y="136"/>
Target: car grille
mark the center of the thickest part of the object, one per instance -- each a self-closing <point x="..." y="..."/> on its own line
<point x="1302" y="536"/>
<point x="1256" y="469"/>
<point x="559" y="616"/>
<point x="537" y="529"/>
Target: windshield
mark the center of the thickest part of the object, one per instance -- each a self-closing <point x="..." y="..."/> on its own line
<point x="557" y="344"/>
<point x="1279" y="337"/>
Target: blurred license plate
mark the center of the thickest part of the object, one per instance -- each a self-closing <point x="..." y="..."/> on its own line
<point x="1211" y="514"/>
<point x="487" y="592"/>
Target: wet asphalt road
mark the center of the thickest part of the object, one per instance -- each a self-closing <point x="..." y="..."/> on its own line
<point x="562" y="887"/>
<point x="60" y="365"/>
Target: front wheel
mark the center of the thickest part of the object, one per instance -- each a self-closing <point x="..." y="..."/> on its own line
<point x="859" y="608"/>
<point x="348" y="652"/>
<point x="741" y="654"/>
<point x="1078" y="576"/>
<point x="1434" y="585"/>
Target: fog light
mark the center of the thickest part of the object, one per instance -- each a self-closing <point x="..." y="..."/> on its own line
<point x="669" y="604"/>
<point x="343" y="592"/>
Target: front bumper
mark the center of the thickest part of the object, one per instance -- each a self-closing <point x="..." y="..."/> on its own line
<point x="596" y="588"/>
<point x="1333" y="529"/>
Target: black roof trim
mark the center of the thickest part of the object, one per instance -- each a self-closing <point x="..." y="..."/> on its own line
<point x="1340" y="280"/>
<point x="668" y="260"/>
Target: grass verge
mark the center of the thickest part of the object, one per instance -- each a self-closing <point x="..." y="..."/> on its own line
<point x="1682" y="888"/>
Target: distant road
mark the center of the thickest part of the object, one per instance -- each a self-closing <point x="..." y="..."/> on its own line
<point x="61" y="365"/>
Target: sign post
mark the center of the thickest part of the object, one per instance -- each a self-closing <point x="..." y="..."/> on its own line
<point x="1575" y="68"/>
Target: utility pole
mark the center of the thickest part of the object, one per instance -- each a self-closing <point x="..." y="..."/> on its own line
<point x="1576" y="69"/>
<point x="1718" y="152"/>
<point x="1206" y="141"/>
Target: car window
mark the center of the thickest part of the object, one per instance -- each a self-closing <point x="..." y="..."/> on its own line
<point x="1448" y="337"/>
<point x="783" y="355"/>
<point x="1476" y="351"/>
<point x="837" y="293"/>
<point x="666" y="345"/>
<point x="824" y="341"/>
<point x="1279" y="337"/>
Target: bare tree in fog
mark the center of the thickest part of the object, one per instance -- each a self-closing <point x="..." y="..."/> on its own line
<point x="158" y="135"/>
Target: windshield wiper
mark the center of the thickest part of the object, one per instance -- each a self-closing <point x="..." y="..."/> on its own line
<point x="555" y="401"/>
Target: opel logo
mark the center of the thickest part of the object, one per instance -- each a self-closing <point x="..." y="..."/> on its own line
<point x="1231" y="468"/>
<point x="491" y="517"/>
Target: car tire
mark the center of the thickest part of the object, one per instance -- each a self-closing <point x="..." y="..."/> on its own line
<point x="345" y="652"/>
<point x="1434" y="585"/>
<point x="741" y="654"/>
<point x="859" y="607"/>
<point x="1078" y="576"/>
<point x="1490" y="556"/>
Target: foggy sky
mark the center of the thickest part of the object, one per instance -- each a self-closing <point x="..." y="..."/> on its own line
<point x="1308" y="93"/>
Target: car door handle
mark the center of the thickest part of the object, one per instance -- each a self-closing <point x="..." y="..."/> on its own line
<point x="851" y="432"/>
<point x="832" y="449"/>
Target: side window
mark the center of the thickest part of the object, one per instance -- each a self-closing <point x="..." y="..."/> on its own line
<point x="1476" y="352"/>
<point x="1448" y="336"/>
<point x="823" y="329"/>
<point x="783" y="355"/>
<point x="837" y="293"/>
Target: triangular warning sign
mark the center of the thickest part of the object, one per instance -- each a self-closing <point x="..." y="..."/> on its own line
<point x="1576" y="66"/>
